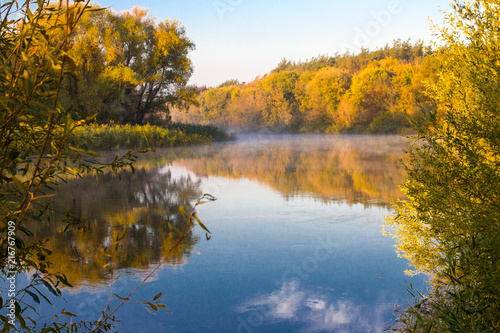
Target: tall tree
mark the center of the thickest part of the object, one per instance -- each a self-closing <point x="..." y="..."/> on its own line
<point x="129" y="67"/>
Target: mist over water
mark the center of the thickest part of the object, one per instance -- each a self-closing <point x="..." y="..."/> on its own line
<point x="296" y="236"/>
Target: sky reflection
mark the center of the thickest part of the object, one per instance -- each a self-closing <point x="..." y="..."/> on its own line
<point x="310" y="310"/>
<point x="294" y="248"/>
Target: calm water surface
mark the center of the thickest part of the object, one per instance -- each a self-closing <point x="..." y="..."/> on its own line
<point x="296" y="237"/>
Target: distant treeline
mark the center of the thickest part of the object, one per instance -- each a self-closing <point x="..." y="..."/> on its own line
<point x="373" y="91"/>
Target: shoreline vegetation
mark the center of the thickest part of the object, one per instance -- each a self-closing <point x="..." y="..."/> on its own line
<point x="448" y="227"/>
<point x="114" y="137"/>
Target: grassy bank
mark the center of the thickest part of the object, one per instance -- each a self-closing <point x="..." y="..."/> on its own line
<point x="112" y="137"/>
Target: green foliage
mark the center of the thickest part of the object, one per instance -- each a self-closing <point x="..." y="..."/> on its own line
<point x="352" y="93"/>
<point x="450" y="226"/>
<point x="314" y="64"/>
<point x="213" y="133"/>
<point x="34" y="132"/>
<point x="36" y="152"/>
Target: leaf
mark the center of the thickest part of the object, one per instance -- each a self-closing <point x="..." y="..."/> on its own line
<point x="86" y="152"/>
<point x="67" y="124"/>
<point x="122" y="298"/>
<point x="19" y="184"/>
<point x="19" y="243"/>
<point x="147" y="309"/>
<point x="151" y="305"/>
<point x="174" y="228"/>
<point x="120" y="237"/>
<point x="63" y="280"/>
<point x="67" y="313"/>
<point x="34" y="296"/>
<point x="26" y="232"/>
<point x="91" y="117"/>
<point x="157" y="296"/>
<point x="21" y="320"/>
<point x="72" y="169"/>
<point x="35" y="218"/>
<point x="182" y="210"/>
<point x="44" y="297"/>
<point x="201" y="224"/>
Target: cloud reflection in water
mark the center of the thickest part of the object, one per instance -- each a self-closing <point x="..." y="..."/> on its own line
<point x="310" y="310"/>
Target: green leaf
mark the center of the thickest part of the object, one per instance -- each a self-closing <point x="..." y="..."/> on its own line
<point x="19" y="184"/>
<point x="86" y="152"/>
<point x="67" y="124"/>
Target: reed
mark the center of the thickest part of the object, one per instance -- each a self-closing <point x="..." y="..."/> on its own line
<point x="112" y="137"/>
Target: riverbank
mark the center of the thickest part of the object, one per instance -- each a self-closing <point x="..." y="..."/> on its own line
<point x="114" y="137"/>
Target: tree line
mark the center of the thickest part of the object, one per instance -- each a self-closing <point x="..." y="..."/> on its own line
<point x="373" y="91"/>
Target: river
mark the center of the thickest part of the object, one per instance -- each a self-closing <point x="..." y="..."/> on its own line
<point x="295" y="245"/>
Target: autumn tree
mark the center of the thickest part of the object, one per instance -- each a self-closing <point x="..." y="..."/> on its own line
<point x="129" y="67"/>
<point x="278" y="89"/>
<point x="321" y="95"/>
<point x="368" y="95"/>
<point x="214" y="103"/>
<point x="247" y="109"/>
<point x="450" y="226"/>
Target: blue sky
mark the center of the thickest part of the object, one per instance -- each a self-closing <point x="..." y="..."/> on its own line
<point x="242" y="39"/>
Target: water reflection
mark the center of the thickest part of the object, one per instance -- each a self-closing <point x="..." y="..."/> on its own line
<point x="352" y="169"/>
<point x="141" y="204"/>
<point x="311" y="311"/>
<point x="260" y="233"/>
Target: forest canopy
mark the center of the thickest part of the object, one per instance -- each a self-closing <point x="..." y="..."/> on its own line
<point x="373" y="91"/>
